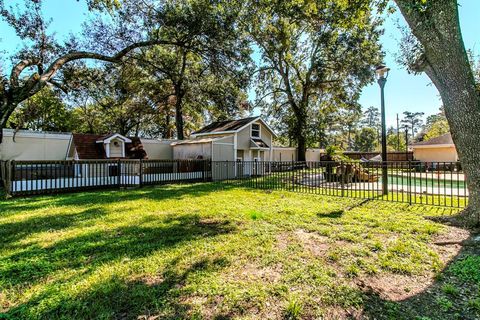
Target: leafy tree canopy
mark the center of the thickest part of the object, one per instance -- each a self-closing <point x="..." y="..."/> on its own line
<point x="311" y="52"/>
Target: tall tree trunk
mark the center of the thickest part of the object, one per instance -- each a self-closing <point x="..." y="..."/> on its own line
<point x="349" y="138"/>
<point x="179" y="113"/>
<point x="167" y="134"/>
<point x="302" y="148"/>
<point x="6" y="110"/>
<point x="446" y="63"/>
<point x="300" y="133"/>
<point x="179" y="94"/>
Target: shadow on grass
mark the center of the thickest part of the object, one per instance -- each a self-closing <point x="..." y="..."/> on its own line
<point x="331" y="215"/>
<point x="102" y="196"/>
<point x="112" y="298"/>
<point x="455" y="293"/>
<point x="14" y="231"/>
<point x="116" y="298"/>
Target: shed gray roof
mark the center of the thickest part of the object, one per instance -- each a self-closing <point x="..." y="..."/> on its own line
<point x="225" y="126"/>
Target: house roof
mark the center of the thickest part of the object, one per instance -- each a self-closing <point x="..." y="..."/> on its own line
<point x="225" y="126"/>
<point x="87" y="147"/>
<point x="445" y="139"/>
<point x="228" y="126"/>
<point x="258" y="143"/>
<point x="109" y="137"/>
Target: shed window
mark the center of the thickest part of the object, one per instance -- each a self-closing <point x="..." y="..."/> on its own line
<point x="256" y="130"/>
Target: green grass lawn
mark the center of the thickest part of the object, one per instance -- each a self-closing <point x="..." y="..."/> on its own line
<point x="210" y="251"/>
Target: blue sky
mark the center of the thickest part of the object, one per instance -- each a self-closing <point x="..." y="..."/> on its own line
<point x="403" y="91"/>
<point x="410" y="92"/>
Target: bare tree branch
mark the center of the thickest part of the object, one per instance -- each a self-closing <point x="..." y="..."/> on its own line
<point x="57" y="64"/>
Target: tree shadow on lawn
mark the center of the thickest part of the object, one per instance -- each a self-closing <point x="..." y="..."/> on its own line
<point x="331" y="214"/>
<point x="14" y="231"/>
<point x="89" y="252"/>
<point x="454" y="294"/>
<point x="117" y="298"/>
<point x="102" y="196"/>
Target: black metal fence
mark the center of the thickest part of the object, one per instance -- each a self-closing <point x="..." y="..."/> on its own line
<point x="433" y="183"/>
<point x="39" y="177"/>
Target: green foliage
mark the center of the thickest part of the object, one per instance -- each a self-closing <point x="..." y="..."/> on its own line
<point x="438" y="128"/>
<point x="352" y="270"/>
<point x="209" y="76"/>
<point x="366" y="139"/>
<point x="332" y="151"/>
<point x="474" y="304"/>
<point x="115" y="99"/>
<point x="412" y="121"/>
<point x="436" y="125"/>
<point x="254" y="215"/>
<point x="450" y="289"/>
<point x="371" y="118"/>
<point x="104" y="4"/>
<point x="45" y="111"/>
<point x="293" y="310"/>
<point x="467" y="269"/>
<point x="444" y="303"/>
<point x="309" y="67"/>
<point x="395" y="142"/>
<point x="203" y="36"/>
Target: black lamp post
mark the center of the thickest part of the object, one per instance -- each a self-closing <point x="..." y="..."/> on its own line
<point x="382" y="74"/>
<point x="406" y="144"/>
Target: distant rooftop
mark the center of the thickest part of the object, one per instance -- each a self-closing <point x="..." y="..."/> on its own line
<point x="440" y="140"/>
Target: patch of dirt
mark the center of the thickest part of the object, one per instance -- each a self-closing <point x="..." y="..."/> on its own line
<point x="147" y="317"/>
<point x="153" y="280"/>
<point x="282" y="240"/>
<point x="253" y="272"/>
<point x="314" y="242"/>
<point x="318" y="245"/>
<point x="394" y="287"/>
<point x="448" y="244"/>
<point x="397" y="287"/>
<point x="339" y="313"/>
<point x="217" y="308"/>
<point x="212" y="222"/>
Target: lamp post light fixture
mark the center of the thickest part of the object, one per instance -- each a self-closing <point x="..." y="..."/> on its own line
<point x="382" y="74"/>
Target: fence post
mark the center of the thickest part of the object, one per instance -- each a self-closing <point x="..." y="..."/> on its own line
<point x="342" y="178"/>
<point x="140" y="169"/>
<point x="8" y="178"/>
<point x="209" y="170"/>
<point x="256" y="173"/>
<point x="2" y="174"/>
<point x="409" y="181"/>
<point x="292" y="181"/>
<point x="119" y="173"/>
<point x="228" y="177"/>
